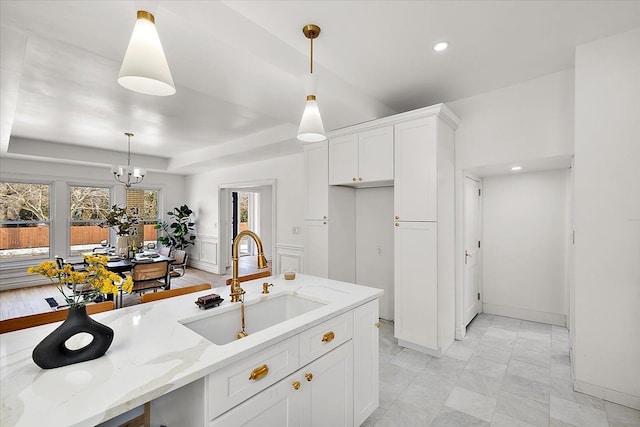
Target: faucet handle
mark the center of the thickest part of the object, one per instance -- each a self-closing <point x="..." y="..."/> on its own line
<point x="265" y="287"/>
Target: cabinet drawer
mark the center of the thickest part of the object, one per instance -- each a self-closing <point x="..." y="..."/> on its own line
<point x="232" y="385"/>
<point x="325" y="337"/>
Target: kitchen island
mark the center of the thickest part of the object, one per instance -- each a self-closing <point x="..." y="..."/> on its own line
<point x="155" y="354"/>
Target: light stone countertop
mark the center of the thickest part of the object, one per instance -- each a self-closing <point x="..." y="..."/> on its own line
<point x="152" y="354"/>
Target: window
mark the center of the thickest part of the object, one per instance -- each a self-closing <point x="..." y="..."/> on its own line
<point x="145" y="203"/>
<point x="24" y="221"/>
<point x="88" y="207"/>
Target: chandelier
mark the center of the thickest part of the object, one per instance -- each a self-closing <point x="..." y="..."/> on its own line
<point x="128" y="175"/>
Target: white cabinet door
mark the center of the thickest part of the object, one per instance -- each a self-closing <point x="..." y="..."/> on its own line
<point x="328" y="385"/>
<point x="343" y="160"/>
<point x="416" y="283"/>
<point x="365" y="370"/>
<point x="279" y="405"/>
<point x="415" y="184"/>
<point x="316" y="248"/>
<point x="375" y="155"/>
<point x="316" y="172"/>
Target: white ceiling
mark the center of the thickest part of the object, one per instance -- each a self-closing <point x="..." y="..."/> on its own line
<point x="238" y="68"/>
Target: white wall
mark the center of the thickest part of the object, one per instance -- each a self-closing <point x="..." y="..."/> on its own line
<point x="530" y="120"/>
<point x="374" y="243"/>
<point x="606" y="336"/>
<point x="525" y="232"/>
<point x="202" y="194"/>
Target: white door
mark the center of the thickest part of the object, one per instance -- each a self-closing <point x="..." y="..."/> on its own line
<point x="471" y="293"/>
<point x="279" y="405"/>
<point x="328" y="387"/>
<point x="343" y="160"/>
<point x="365" y="371"/>
<point x="416" y="176"/>
<point x="316" y="172"/>
<point x="416" y="283"/>
<point x="375" y="155"/>
<point x="316" y="248"/>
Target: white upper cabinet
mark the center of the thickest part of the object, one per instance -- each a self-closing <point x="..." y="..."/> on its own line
<point x="343" y="160"/>
<point x="416" y="177"/>
<point x="364" y="158"/>
<point x="316" y="180"/>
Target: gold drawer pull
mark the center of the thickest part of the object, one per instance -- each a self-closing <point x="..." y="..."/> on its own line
<point x="308" y="376"/>
<point x="329" y="336"/>
<point x="353" y="179"/>
<point x="259" y="373"/>
<point x="397" y="217"/>
<point x="397" y="224"/>
<point x="296" y="385"/>
<point x="360" y="179"/>
<point x="377" y="324"/>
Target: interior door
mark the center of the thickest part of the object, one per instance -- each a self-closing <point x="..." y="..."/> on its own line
<point x="471" y="206"/>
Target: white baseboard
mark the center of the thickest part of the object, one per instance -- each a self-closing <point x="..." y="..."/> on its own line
<point x="420" y="348"/>
<point x="461" y="331"/>
<point x="606" y="394"/>
<point x="526" y="314"/>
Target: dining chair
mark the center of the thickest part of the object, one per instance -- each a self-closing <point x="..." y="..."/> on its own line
<point x="23" y="322"/>
<point x="152" y="275"/>
<point x="83" y="288"/>
<point x="173" y="292"/>
<point x="180" y="263"/>
<point x="164" y="250"/>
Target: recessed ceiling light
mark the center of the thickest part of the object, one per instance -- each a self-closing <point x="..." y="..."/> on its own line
<point x="440" y="46"/>
<point x="516" y="168"/>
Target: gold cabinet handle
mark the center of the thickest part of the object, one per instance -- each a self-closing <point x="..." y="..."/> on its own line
<point x="296" y="385"/>
<point x="308" y="376"/>
<point x="329" y="336"/>
<point x="397" y="224"/>
<point x="377" y="324"/>
<point x="353" y="179"/>
<point x="324" y="217"/>
<point x="360" y="179"/>
<point x="259" y="373"/>
<point x="397" y="217"/>
<point x="324" y="222"/>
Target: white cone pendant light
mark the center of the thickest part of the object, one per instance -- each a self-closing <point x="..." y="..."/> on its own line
<point x="144" y="67"/>
<point x="311" y="128"/>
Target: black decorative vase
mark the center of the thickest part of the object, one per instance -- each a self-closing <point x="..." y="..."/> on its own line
<point x="52" y="351"/>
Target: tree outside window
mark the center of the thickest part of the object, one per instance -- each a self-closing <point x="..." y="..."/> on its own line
<point x="87" y="209"/>
<point x="24" y="221"/>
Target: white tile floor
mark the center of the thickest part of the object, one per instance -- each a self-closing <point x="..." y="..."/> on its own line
<point x="505" y="373"/>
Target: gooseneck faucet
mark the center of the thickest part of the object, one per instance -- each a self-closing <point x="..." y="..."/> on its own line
<point x="236" y="291"/>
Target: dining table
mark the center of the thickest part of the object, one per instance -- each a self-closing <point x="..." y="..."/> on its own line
<point x="121" y="266"/>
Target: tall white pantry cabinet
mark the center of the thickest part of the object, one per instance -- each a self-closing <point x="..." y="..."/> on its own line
<point x="420" y="160"/>
<point x="424" y="236"/>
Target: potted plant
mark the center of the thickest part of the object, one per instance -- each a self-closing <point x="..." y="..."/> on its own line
<point x="179" y="234"/>
<point x="124" y="223"/>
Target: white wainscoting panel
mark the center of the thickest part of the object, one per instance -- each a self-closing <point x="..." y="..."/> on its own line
<point x="204" y="254"/>
<point x="288" y="257"/>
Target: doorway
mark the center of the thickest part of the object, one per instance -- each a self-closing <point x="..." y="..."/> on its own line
<point x="250" y="205"/>
<point x="245" y="215"/>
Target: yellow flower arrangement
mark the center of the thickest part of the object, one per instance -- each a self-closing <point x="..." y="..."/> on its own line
<point x="86" y="286"/>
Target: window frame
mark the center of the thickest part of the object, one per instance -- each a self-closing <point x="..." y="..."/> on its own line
<point x="70" y="220"/>
<point x="160" y="216"/>
<point x="50" y="222"/>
